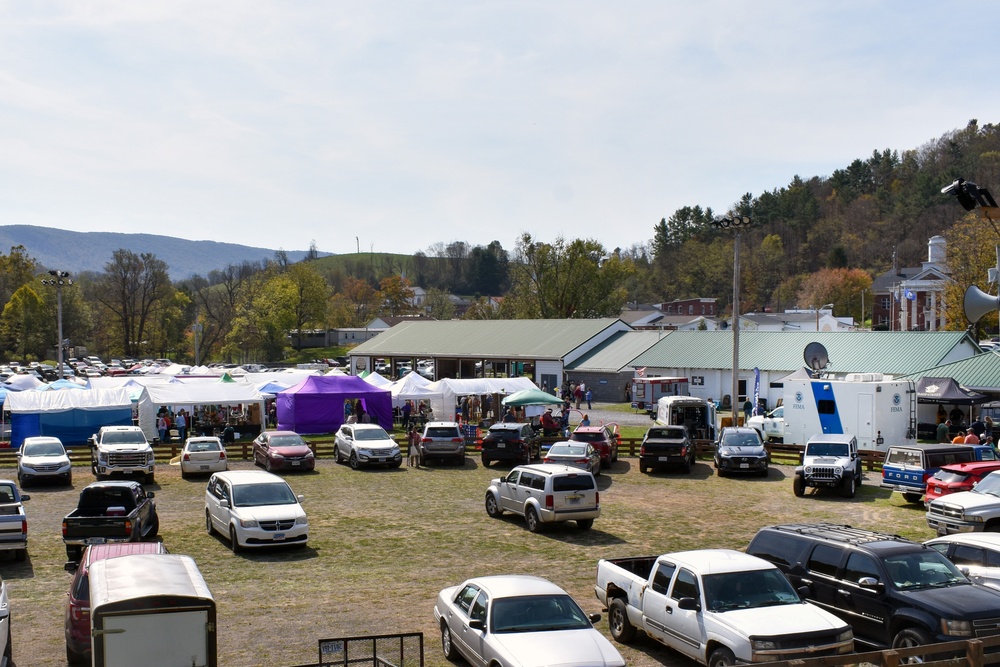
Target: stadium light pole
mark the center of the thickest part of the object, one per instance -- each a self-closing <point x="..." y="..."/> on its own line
<point x="736" y="224"/>
<point x="58" y="280"/>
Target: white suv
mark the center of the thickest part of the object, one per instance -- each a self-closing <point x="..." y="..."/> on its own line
<point x="366" y="445"/>
<point x="254" y="509"/>
<point x="42" y="457"/>
<point x="831" y="461"/>
<point x="546" y="493"/>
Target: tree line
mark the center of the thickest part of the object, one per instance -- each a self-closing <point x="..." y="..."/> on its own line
<point x="814" y="241"/>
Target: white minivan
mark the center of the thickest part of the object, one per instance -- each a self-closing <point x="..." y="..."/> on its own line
<point x="254" y="508"/>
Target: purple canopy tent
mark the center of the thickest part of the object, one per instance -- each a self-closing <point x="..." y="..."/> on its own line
<point x="316" y="405"/>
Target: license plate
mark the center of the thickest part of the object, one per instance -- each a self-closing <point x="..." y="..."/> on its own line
<point x="96" y="540"/>
<point x="744" y="465"/>
<point x="204" y="467"/>
<point x="573" y="501"/>
<point x="664" y="458"/>
<point x="278" y="536"/>
<point x="295" y="463"/>
<point x="501" y="445"/>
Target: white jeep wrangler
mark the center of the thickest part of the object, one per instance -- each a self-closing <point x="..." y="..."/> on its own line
<point x="832" y="461"/>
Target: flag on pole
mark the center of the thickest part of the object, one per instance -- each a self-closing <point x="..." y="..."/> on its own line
<point x="756" y="391"/>
<point x="910" y="294"/>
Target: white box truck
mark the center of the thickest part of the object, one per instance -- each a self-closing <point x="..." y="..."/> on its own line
<point x="879" y="412"/>
<point x="153" y="610"/>
<point x="696" y="414"/>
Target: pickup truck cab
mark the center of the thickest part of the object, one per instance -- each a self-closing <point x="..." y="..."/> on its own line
<point x="13" y="521"/>
<point x="907" y="468"/>
<point x="110" y="512"/>
<point x="972" y="511"/>
<point x="771" y="426"/>
<point x="717" y="606"/>
<point x="664" y="446"/>
<point x="121" y="450"/>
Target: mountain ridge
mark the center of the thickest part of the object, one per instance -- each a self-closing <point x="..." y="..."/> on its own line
<point x="76" y="252"/>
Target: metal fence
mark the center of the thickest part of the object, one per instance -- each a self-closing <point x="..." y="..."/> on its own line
<point x="402" y="650"/>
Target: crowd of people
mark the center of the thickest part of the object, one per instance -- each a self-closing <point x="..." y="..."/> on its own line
<point x="952" y="427"/>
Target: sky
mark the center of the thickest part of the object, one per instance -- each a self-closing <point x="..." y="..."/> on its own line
<point x="393" y="126"/>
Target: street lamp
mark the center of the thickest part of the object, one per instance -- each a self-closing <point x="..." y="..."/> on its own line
<point x="59" y="278"/>
<point x="735" y="223"/>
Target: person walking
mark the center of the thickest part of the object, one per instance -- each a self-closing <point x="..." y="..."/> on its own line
<point x="413" y="448"/>
<point x="589" y="395"/>
<point x="181" y="426"/>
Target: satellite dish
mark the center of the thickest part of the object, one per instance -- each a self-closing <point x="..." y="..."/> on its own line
<point x="816" y="357"/>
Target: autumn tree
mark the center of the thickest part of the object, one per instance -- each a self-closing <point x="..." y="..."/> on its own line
<point x="841" y="287"/>
<point x="362" y="300"/>
<point x="395" y="296"/>
<point x="22" y="325"/>
<point x="438" y="305"/>
<point x="562" y="280"/>
<point x="972" y="244"/>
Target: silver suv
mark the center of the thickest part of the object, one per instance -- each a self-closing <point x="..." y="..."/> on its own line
<point x="546" y="493"/>
<point x="443" y="440"/>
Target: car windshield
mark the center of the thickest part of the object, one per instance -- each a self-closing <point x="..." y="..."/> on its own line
<point x="588" y="436"/>
<point x="581" y="482"/>
<point x="827" y="449"/>
<point x="537" y="613"/>
<point x="950" y="476"/>
<point x="203" y="446"/>
<point x="923" y="569"/>
<point x="291" y="440"/>
<point x="42" y="449"/>
<point x="740" y="440"/>
<point x="254" y="495"/>
<point x="748" y="590"/>
<point x="989" y="485"/>
<point x="666" y="433"/>
<point x="123" y="438"/>
<point x="568" y="450"/>
<point x="371" y="434"/>
<point x="442" y="432"/>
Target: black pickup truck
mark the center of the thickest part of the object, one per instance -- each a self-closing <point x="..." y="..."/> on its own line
<point x="110" y="512"/>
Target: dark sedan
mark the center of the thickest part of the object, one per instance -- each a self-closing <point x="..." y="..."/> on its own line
<point x="282" y="450"/>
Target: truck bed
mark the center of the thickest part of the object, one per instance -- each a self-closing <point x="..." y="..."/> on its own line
<point x="640" y="566"/>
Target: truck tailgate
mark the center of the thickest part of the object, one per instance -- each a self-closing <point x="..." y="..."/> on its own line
<point x="97" y="527"/>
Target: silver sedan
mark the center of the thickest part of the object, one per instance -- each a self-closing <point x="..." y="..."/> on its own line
<point x="203" y="455"/>
<point x="581" y="455"/>
<point x="517" y="620"/>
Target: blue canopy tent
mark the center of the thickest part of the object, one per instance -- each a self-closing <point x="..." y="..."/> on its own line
<point x="71" y="416"/>
<point x="316" y="405"/>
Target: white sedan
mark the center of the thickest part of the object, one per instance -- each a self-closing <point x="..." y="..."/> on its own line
<point x="203" y="454"/>
<point x="516" y="620"/>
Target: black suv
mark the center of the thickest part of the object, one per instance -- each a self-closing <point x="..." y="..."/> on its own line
<point x="517" y="443"/>
<point x="740" y="450"/>
<point x="892" y="591"/>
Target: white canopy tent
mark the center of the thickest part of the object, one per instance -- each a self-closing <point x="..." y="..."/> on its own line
<point x="415" y="387"/>
<point x="452" y="387"/>
<point x="377" y="380"/>
<point x="190" y="394"/>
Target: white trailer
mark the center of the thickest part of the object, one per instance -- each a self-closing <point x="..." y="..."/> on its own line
<point x="697" y="414"/>
<point x="647" y="391"/>
<point x="151" y="609"/>
<point x="877" y="411"/>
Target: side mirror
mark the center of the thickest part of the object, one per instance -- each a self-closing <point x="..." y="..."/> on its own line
<point x="688" y="604"/>
<point x="871" y="583"/>
<point x="150" y="494"/>
<point x="300" y="497"/>
<point x="224" y="502"/>
<point x="70" y="566"/>
<point x="503" y="480"/>
<point x="24" y="497"/>
<point x="477" y="624"/>
<point x="594" y="618"/>
<point x="804" y="591"/>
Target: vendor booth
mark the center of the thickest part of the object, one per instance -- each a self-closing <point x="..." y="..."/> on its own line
<point x="71" y="416"/>
<point x="316" y="405"/>
<point x="212" y="406"/>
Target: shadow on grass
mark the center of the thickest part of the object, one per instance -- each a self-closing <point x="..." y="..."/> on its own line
<point x="277" y="553"/>
<point x="865" y="494"/>
<point x="565" y="531"/>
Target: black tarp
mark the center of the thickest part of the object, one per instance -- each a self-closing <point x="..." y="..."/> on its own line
<point x="946" y="390"/>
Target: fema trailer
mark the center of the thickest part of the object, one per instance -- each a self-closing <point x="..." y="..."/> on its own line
<point x="879" y="412"/>
<point x="151" y="609"/>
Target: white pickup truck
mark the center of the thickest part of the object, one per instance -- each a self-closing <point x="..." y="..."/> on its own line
<point x="770" y="426"/>
<point x="717" y="606"/>
<point x="121" y="450"/>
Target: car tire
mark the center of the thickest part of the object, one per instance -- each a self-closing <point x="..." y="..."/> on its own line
<point x="584" y="524"/>
<point x="447" y="646"/>
<point x="149" y="479"/>
<point x="848" y="488"/>
<point x="720" y="472"/>
<point x="910" y="638"/>
<point x="209" y="528"/>
<point x="492" y="506"/>
<point x="353" y="461"/>
<point x="234" y="542"/>
<point x="460" y="461"/>
<point x="74" y="658"/>
<point x="486" y="462"/>
<point x="686" y="468"/>
<point x="69" y="478"/>
<point x="621" y="628"/>
<point x="267" y="464"/>
<point x="337" y="458"/>
<point x="154" y="528"/>
<point x="721" y="657"/>
<point x="396" y="464"/>
<point x="531" y="519"/>
<point x="20" y="481"/>
<point x="21" y="555"/>
<point x="912" y="497"/>
<point x="798" y="486"/>
<point x="642" y="468"/>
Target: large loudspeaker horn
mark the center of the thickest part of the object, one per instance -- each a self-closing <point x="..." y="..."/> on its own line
<point x="979" y="303"/>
